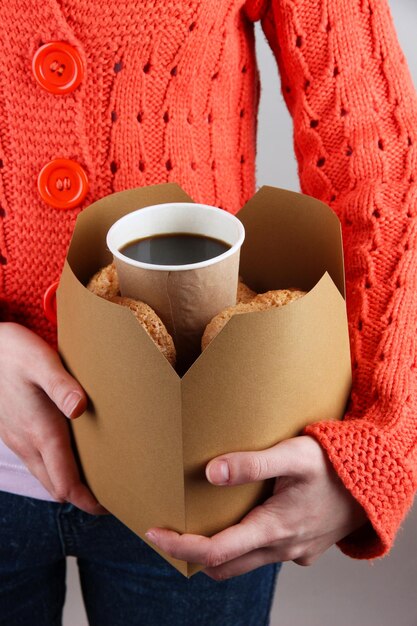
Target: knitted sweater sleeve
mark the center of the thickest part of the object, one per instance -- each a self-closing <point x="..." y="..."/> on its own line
<point x="347" y="86"/>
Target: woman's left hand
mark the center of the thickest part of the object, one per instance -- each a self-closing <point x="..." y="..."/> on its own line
<point x="309" y="511"/>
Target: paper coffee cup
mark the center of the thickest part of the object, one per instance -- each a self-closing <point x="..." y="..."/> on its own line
<point x="186" y="297"/>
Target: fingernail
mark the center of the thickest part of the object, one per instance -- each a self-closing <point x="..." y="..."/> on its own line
<point x="72" y="402"/>
<point x="151" y="536"/>
<point x="218" y="472"/>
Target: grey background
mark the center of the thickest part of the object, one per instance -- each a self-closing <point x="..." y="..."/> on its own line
<point x="336" y="590"/>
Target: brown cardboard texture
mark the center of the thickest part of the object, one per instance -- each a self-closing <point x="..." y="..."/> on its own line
<point x="147" y="434"/>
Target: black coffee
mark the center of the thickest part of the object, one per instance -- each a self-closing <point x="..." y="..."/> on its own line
<point x="174" y="249"/>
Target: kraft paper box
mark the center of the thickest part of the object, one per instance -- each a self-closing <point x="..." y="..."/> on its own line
<point x="147" y="434"/>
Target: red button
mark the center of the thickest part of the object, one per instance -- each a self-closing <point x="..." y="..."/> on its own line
<point x="58" y="67"/>
<point x="49" y="302"/>
<point x="63" y="183"/>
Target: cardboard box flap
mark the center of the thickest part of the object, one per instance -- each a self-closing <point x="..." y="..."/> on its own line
<point x="291" y="241"/>
<point x="262" y="379"/>
<point x="129" y="440"/>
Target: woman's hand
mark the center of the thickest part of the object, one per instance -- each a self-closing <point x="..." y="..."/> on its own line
<point x="36" y="392"/>
<point x="309" y="511"/>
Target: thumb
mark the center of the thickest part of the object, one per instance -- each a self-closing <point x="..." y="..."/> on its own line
<point x="64" y="391"/>
<point x="237" y="468"/>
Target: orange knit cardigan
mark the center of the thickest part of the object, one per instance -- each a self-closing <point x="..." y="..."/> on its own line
<point x="170" y="93"/>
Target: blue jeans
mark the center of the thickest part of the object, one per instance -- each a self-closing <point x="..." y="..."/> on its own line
<point x="123" y="581"/>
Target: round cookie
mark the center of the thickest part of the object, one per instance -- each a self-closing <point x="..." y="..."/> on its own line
<point x="278" y="297"/>
<point x="260" y="302"/>
<point x="244" y="293"/>
<point x="219" y="320"/>
<point x="105" y="282"/>
<point x="153" y="325"/>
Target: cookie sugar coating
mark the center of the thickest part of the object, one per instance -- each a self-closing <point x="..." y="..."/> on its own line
<point x="260" y="302"/>
<point x="244" y="293"/>
<point x="105" y="282"/>
<point x="277" y="297"/>
<point x="153" y="325"/>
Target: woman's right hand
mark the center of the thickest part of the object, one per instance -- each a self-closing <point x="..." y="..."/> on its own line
<point x="37" y="395"/>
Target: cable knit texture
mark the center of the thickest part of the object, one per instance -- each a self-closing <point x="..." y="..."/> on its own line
<point x="170" y="94"/>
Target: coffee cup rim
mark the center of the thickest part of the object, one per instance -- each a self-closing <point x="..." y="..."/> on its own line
<point x="176" y="268"/>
